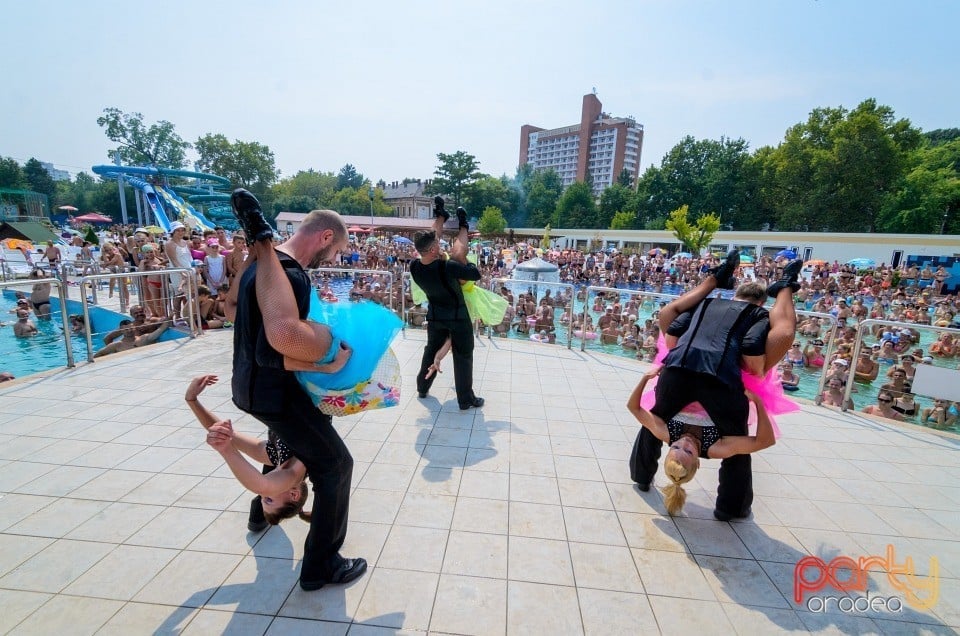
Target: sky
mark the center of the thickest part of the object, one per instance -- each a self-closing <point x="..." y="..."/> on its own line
<point x="387" y="85"/>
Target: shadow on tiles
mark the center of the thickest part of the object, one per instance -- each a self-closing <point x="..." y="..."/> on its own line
<point x="768" y="582"/>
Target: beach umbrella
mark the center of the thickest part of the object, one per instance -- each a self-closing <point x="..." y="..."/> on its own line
<point x="746" y="258"/>
<point x="93" y="217"/>
<point x="786" y="254"/>
<point x="815" y="263"/>
<point x="68" y="208"/>
<point x="683" y="255"/>
<point x="862" y="262"/>
<point x="657" y="251"/>
<point x="403" y="240"/>
<point x="372" y="239"/>
<point x="152" y="229"/>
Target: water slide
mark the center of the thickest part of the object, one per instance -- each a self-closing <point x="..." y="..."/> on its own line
<point x="162" y="201"/>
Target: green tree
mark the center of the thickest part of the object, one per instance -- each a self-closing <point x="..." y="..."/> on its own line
<point x="38" y="179"/>
<point x="544" y="192"/>
<point x="491" y="221"/>
<point x="695" y="237"/>
<point x="348" y="177"/>
<point x="357" y="202"/>
<point x="490" y="192"/>
<point x="942" y="135"/>
<point x="623" y="221"/>
<point x="614" y="199"/>
<point x="158" y="144"/>
<point x="321" y="187"/>
<point x="248" y="164"/>
<point x="455" y="176"/>
<point x="294" y="203"/>
<point x="625" y="178"/>
<point x="576" y="207"/>
<point x="11" y="174"/>
<point x="835" y="171"/>
<point x="927" y="197"/>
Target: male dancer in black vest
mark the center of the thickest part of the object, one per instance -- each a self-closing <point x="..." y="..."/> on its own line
<point x="447" y="314"/>
<point x="709" y="340"/>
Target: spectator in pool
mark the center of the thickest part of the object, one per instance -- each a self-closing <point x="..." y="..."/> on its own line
<point x="867" y="368"/>
<point x="941" y="415"/>
<point x="833" y="394"/>
<point x="6" y="376"/>
<point x="789" y="379"/>
<point x="40" y="295"/>
<point x="129" y="338"/>
<point x="883" y="407"/>
<point x="24" y="327"/>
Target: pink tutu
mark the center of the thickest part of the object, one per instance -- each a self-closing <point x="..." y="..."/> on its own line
<point x="768" y="389"/>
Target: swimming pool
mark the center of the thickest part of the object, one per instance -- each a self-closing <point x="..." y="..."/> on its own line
<point x="864" y="394"/>
<point x="47" y="350"/>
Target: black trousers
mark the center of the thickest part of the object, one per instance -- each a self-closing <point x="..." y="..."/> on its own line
<point x="461" y="336"/>
<point x="677" y="388"/>
<point x="313" y="440"/>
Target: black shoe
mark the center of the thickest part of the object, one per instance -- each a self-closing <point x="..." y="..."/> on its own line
<point x="438" y="210"/>
<point x="349" y="570"/>
<point x="422" y="395"/>
<point x="247" y="210"/>
<point x="476" y="402"/>
<point x="724" y="273"/>
<point x="256" y="522"/>
<point x="643" y="487"/>
<point x="789" y="278"/>
<point x="462" y="218"/>
<point x="720" y="515"/>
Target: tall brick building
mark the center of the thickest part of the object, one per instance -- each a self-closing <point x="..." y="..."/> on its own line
<point x="600" y="145"/>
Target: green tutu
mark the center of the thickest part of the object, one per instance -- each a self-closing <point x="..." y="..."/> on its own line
<point x="483" y="304"/>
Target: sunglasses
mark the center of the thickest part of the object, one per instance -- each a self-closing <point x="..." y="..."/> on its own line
<point x="883" y="400"/>
<point x="796" y="344"/>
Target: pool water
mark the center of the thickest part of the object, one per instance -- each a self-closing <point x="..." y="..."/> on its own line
<point x="47" y="350"/>
<point x="863" y="395"/>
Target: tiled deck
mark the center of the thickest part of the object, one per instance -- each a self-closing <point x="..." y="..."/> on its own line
<point x="519" y="518"/>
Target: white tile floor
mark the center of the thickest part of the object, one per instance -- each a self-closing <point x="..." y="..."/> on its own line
<point x="518" y="518"/>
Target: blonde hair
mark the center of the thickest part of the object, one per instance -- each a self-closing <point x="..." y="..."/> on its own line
<point x="673" y="495"/>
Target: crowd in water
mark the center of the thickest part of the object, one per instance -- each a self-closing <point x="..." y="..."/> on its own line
<point x="886" y="364"/>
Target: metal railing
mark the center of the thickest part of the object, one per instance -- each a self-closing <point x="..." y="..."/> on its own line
<point x="62" y="298"/>
<point x="865" y="326"/>
<point x="535" y="286"/>
<point x="830" y="340"/>
<point x="191" y="303"/>
<point x="387" y="275"/>
<point x="620" y="291"/>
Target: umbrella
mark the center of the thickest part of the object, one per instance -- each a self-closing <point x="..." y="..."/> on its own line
<point x="814" y="263"/>
<point x="862" y="262"/>
<point x="68" y="208"/>
<point x="746" y="258"/>
<point x="657" y="251"/>
<point x="372" y="239"/>
<point x="786" y="254"/>
<point x="93" y="217"/>
<point x="152" y="229"/>
<point x="683" y="255"/>
<point x="403" y="240"/>
<point x="356" y="228"/>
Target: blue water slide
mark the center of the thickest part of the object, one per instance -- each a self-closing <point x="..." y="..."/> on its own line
<point x="154" y="201"/>
<point x="183" y="209"/>
<point x="162" y="200"/>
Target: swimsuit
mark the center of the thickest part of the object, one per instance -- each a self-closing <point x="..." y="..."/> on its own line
<point x="708" y="434"/>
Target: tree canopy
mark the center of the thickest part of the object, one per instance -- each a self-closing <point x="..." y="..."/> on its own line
<point x="248" y="164"/>
<point x="491" y="221"/>
<point x="157" y="144"/>
<point x="455" y="176"/>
